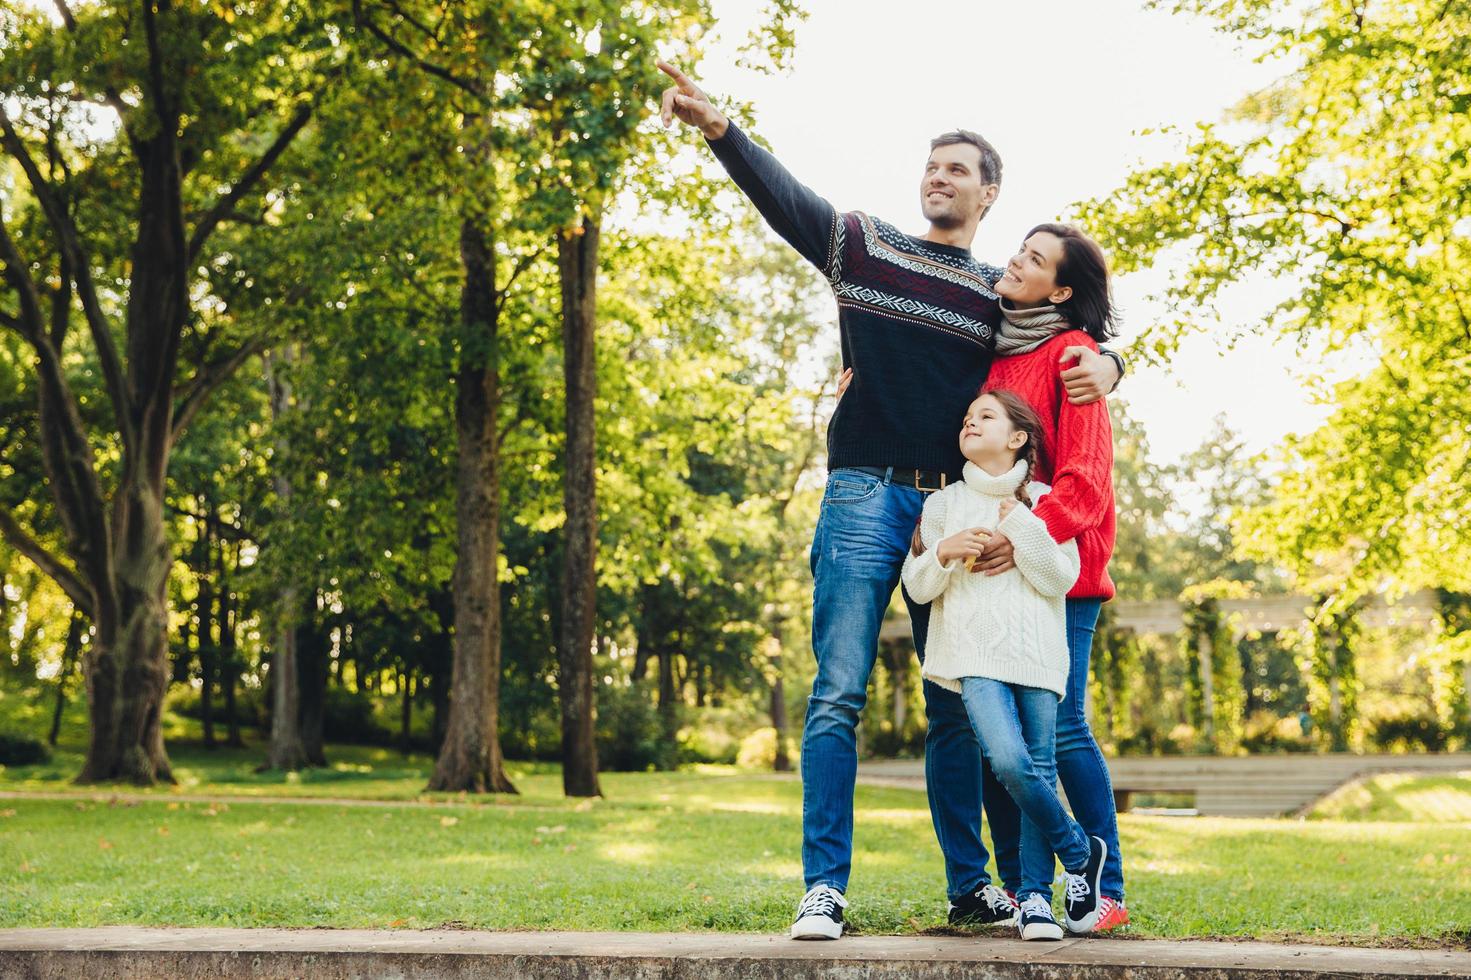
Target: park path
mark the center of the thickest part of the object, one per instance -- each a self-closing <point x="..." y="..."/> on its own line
<point x="122" y="951"/>
<point x="136" y="799"/>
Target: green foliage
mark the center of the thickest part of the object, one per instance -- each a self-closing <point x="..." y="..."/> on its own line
<point x="1348" y="182"/>
<point x="632" y="735"/>
<point x="22" y="750"/>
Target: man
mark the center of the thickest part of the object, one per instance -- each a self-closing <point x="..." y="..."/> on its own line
<point x="916" y="317"/>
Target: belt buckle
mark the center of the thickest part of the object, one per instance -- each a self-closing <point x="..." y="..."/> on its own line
<point x="928" y="489"/>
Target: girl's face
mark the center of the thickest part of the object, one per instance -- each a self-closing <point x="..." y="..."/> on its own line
<point x="987" y="435"/>
<point x="1031" y="275"/>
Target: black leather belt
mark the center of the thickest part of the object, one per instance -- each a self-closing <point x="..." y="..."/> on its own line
<point x="925" y="481"/>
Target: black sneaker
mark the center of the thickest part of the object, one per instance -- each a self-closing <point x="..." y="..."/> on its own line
<point x="1080" y="898"/>
<point x="1035" y="920"/>
<point x="820" y="914"/>
<point x="988" y="907"/>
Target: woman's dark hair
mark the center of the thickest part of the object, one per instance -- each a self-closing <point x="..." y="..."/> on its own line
<point x="1083" y="267"/>
<point x="1023" y="419"/>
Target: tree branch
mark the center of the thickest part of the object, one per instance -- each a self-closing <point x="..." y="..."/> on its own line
<point x="225" y="205"/>
<point x="70" y="246"/>
<point x="468" y="85"/>
<point x="204" y="384"/>
<point x="111" y="96"/>
<point x="70" y="582"/>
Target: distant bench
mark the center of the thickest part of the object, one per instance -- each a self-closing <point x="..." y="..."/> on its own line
<point x="1223" y="786"/>
<point x="1262" y="785"/>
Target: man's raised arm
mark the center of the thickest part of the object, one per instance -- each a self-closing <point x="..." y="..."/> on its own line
<point x="793" y="210"/>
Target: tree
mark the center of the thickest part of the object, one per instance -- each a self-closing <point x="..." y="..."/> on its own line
<point x="1347" y="179"/>
<point x="149" y="128"/>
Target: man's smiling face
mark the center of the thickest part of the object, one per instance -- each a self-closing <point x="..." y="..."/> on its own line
<point x="951" y="193"/>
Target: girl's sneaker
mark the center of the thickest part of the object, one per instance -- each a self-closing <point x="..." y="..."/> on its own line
<point x="1036" y="919"/>
<point x="1111" y="914"/>
<point x="1080" y="896"/>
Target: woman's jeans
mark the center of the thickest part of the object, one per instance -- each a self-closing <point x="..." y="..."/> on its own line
<point x="1080" y="765"/>
<point x="857" y="553"/>
<point x="1016" y="725"/>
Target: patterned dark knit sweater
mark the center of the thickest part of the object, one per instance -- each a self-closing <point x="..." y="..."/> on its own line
<point x="917" y="319"/>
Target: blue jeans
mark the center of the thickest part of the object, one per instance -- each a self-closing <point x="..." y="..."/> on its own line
<point x="857" y="553"/>
<point x="1016" y="725"/>
<point x="1080" y="765"/>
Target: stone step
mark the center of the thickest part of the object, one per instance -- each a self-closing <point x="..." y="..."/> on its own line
<point x="128" y="952"/>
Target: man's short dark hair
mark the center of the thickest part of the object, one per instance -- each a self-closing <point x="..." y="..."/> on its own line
<point x="990" y="159"/>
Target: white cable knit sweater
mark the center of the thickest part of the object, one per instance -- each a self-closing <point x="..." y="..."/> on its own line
<point x="1010" y="627"/>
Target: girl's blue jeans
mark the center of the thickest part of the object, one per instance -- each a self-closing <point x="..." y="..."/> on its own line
<point x="1016" y="726"/>
<point x="1080" y="765"/>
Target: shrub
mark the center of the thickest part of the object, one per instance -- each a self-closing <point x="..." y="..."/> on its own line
<point x="758" y="749"/>
<point x="631" y="734"/>
<point x="22" y="750"/>
<point x="1408" y="732"/>
<point x="353" y="718"/>
<point x="1266" y="732"/>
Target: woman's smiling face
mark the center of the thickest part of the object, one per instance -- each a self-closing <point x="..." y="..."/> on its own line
<point x="1031" y="275"/>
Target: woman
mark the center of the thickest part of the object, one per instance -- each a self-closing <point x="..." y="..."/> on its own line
<point x="1055" y="295"/>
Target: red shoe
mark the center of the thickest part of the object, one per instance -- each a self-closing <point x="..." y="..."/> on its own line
<point x="1111" y="914"/>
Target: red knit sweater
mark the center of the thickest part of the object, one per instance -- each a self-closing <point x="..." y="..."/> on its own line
<point x="1078" y="457"/>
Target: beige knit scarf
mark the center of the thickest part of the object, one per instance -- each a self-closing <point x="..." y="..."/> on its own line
<point x="1023" y="331"/>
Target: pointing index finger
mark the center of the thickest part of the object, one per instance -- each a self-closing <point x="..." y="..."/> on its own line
<point x="680" y="78"/>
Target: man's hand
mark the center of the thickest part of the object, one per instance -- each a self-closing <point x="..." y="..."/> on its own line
<point x="968" y="544"/>
<point x="686" y="102"/>
<point x="996" y="557"/>
<point x="844" y="380"/>
<point x="1091" y="378"/>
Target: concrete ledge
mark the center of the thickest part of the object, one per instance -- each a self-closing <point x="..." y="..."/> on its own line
<point x="128" y="952"/>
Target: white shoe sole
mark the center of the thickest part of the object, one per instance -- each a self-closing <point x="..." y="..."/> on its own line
<point x="1042" y="930"/>
<point x="816" y="927"/>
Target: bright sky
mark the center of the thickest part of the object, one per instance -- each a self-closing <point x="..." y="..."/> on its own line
<point x="1061" y="87"/>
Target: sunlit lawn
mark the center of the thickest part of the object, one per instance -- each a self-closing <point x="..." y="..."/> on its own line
<point x="687" y="851"/>
<point x="707" y="849"/>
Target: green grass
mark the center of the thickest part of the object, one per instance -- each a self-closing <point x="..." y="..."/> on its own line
<point x="702" y="850"/>
<point x="707" y="849"/>
<point x="1400" y="796"/>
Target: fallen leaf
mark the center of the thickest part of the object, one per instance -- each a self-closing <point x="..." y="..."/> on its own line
<point x="163" y="831"/>
<point x="27" y="868"/>
<point x="448" y="821"/>
<point x="104" y="843"/>
<point x="398" y="922"/>
<point x="173" y="806"/>
<point x="7" y="812"/>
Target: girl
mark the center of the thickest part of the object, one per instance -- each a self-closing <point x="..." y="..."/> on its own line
<point x="1001" y="642"/>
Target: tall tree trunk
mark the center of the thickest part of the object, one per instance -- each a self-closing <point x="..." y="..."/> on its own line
<point x="313" y="668"/>
<point x="1207" y="659"/>
<point x="470" y="756"/>
<point x="782" y="762"/>
<point x="209" y="656"/>
<point x="577" y="259"/>
<point x="898" y="664"/>
<point x="406" y="710"/>
<point x="69" y="653"/>
<point x="230" y="662"/>
<point x="287" y="751"/>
